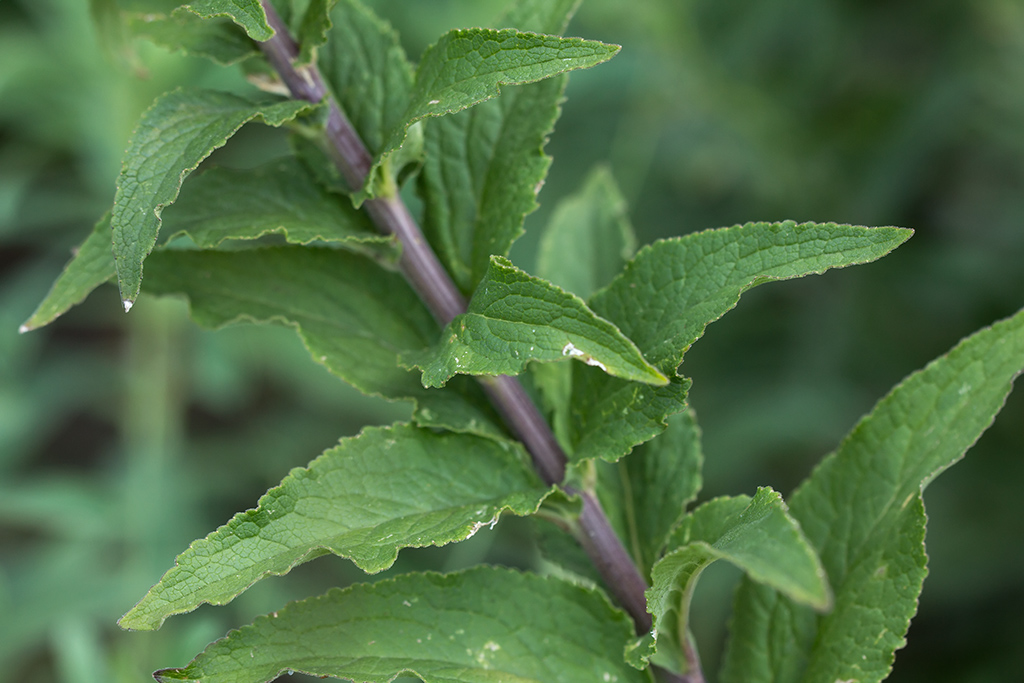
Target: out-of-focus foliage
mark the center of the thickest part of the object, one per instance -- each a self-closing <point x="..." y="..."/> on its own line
<point x="714" y="113"/>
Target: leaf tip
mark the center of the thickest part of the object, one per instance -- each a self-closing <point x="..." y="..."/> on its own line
<point x="127" y="303"/>
<point x="168" y="675"/>
<point x="24" y="328"/>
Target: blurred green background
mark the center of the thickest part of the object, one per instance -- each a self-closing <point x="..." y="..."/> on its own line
<point x="122" y="438"/>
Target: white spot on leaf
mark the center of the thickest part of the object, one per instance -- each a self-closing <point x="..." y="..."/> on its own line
<point x="570" y="350"/>
<point x="127" y="305"/>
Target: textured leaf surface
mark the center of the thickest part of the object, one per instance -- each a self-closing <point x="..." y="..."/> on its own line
<point x="90" y="267"/>
<point x="354" y="317"/>
<point x="862" y="510"/>
<point x="646" y="494"/>
<point x="222" y="41"/>
<point x="279" y="197"/>
<point x="180" y="130"/>
<point x="757" y="535"/>
<point x="246" y="13"/>
<point x="367" y="70"/>
<point x="386" y="489"/>
<point x="514" y="318"/>
<point x="313" y="30"/>
<point x="484" y="166"/>
<point x="468" y="66"/>
<point x="485" y="624"/>
<point x="221" y="204"/>
<point x="592" y="225"/>
<point x="673" y="289"/>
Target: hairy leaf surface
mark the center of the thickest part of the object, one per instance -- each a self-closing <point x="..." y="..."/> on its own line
<point x="514" y="318"/>
<point x="373" y="494"/>
<point x="672" y="290"/>
<point x="862" y="510"/>
<point x="468" y="66"/>
<point x="354" y="317"/>
<point x="180" y="130"/>
<point x="484" y="624"/>
<point x="758" y="535"/>
<point x="484" y="166"/>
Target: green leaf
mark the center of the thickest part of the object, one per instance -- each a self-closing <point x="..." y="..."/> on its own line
<point x="539" y="16"/>
<point x="282" y="197"/>
<point x="514" y="318"/>
<point x="672" y="290"/>
<point x="366" y="68"/>
<point x="484" y="624"/>
<point x="757" y="535"/>
<point x="386" y="489"/>
<point x="862" y="510"/>
<point x="645" y="495"/>
<point x="90" y="267"/>
<point x="592" y="225"/>
<point x="180" y="130"/>
<point x="484" y="166"/>
<point x="313" y="31"/>
<point x="609" y="424"/>
<point x="246" y="13"/>
<point x="219" y="40"/>
<point x="354" y="317"/>
<point x="468" y="66"/>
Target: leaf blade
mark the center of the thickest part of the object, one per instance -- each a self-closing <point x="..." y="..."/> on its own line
<point x="469" y="66"/>
<point x="484" y="624"/>
<point x="593" y="225"/>
<point x="673" y="289"/>
<point x="177" y="132"/>
<point x="685" y="283"/>
<point x="483" y="167"/>
<point x="756" y="535"/>
<point x="646" y="494"/>
<point x="248" y="14"/>
<point x="863" y="511"/>
<point x="373" y="494"/>
<point x="514" y="318"/>
<point x="281" y="197"/>
<point x="355" y="318"/>
<point x="91" y="266"/>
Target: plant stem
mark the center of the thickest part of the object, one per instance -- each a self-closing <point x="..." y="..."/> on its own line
<point x="429" y="279"/>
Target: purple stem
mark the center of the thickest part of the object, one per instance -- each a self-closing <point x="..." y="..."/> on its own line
<point x="429" y="279"/>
